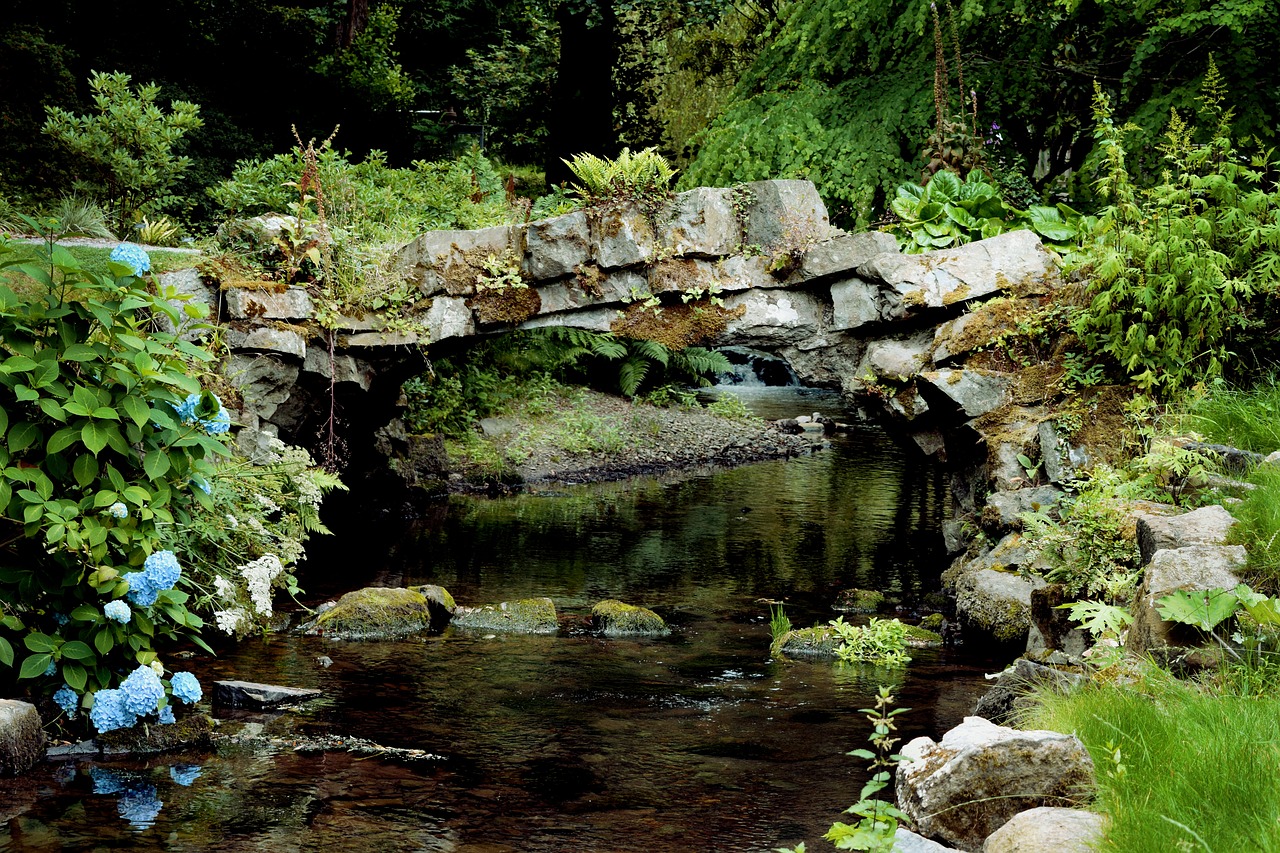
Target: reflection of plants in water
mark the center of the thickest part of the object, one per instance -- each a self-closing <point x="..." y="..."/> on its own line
<point x="139" y="802"/>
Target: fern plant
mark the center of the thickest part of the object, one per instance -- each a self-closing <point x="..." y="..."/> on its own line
<point x="1183" y="268"/>
<point x="641" y="176"/>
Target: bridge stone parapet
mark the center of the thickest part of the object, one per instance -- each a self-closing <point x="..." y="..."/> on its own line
<point x="845" y="310"/>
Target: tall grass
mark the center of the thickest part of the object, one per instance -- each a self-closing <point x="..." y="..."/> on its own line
<point x="1248" y="418"/>
<point x="1244" y="418"/>
<point x="1178" y="769"/>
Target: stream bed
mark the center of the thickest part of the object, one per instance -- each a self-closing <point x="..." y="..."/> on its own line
<point x="697" y="741"/>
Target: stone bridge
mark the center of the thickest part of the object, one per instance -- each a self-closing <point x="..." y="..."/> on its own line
<point x="758" y="266"/>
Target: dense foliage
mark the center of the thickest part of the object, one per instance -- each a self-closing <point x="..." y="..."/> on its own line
<point x="842" y="93"/>
<point x="1188" y="269"/>
<point x="108" y="475"/>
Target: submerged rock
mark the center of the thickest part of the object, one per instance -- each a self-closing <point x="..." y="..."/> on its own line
<point x="817" y="643"/>
<point x="614" y="618"/>
<point x="920" y="637"/>
<point x="966" y="786"/>
<point x="21" y="737"/>
<point x="381" y="613"/>
<point x="859" y="601"/>
<point x="526" y="616"/>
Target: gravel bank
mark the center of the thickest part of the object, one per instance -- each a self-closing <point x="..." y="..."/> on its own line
<point x="602" y="438"/>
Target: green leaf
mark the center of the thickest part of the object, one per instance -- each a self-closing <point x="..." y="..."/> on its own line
<point x="1204" y="609"/>
<point x="103" y="641"/>
<point x="79" y="352"/>
<point x="37" y="642"/>
<point x="84" y="613"/>
<point x="50" y="407"/>
<point x="75" y="676"/>
<point x="156" y="463"/>
<point x="137" y="410"/>
<point x="76" y="650"/>
<point x="35" y="665"/>
<point x="22" y="435"/>
<point x="17" y="364"/>
<point x="85" y="470"/>
<point x="6" y="652"/>
<point x="94" y="435"/>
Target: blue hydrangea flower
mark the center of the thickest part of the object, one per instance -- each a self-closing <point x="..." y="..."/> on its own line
<point x="118" y="611"/>
<point x="67" y="700"/>
<point x="118" y="510"/>
<point x="184" y="774"/>
<point x="52" y="669"/>
<point x="60" y="619"/>
<point x="139" y="805"/>
<point x="185" y="687"/>
<point x="142" y="691"/>
<point x="110" y="712"/>
<point x="166" y="716"/>
<point x="186" y="410"/>
<point x="160" y="572"/>
<point x="132" y="256"/>
<point x="216" y="425"/>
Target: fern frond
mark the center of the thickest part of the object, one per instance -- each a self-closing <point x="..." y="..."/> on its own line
<point x="651" y="350"/>
<point x="632" y="373"/>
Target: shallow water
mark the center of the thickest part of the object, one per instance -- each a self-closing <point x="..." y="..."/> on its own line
<point x="697" y="741"/>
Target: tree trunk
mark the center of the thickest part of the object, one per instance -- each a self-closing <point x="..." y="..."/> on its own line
<point x="582" y="100"/>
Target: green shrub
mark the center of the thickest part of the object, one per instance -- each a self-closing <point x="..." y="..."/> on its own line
<point x="369" y="200"/>
<point x="1182" y="269"/>
<point x="124" y="156"/>
<point x="108" y="483"/>
<point x="880" y="641"/>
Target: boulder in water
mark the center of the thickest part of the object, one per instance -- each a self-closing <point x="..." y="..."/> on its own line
<point x="526" y="616"/>
<point x="380" y="613"/>
<point x="817" y="643"/>
<point x="615" y="618"/>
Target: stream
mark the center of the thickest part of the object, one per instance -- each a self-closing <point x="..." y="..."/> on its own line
<point x="697" y="741"/>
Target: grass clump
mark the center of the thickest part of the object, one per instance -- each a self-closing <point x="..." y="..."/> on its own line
<point x="1247" y="418"/>
<point x="1178" y="768"/>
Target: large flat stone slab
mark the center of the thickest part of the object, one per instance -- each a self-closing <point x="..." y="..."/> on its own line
<point x="1208" y="525"/>
<point x="1009" y="261"/>
<point x="292" y="303"/>
<point x="701" y="223"/>
<point x="258" y="697"/>
<point x="1045" y="829"/>
<point x="1192" y="568"/>
<point x="450" y="261"/>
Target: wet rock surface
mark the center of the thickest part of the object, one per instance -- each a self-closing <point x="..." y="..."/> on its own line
<point x="258" y="697"/>
<point x="525" y="616"/>
<point x="615" y="618"/>
<point x="381" y="613"/>
<point x="21" y="737"/>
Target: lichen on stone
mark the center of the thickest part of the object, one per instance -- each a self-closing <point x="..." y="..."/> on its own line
<point x="616" y="618"/>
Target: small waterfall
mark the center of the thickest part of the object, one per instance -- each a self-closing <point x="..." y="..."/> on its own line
<point x="755" y="369"/>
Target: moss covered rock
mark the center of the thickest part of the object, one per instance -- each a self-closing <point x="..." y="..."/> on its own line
<point x="526" y="616"/>
<point x="920" y="637"/>
<point x="859" y="601"/>
<point x="616" y="619"/>
<point x="190" y="732"/>
<point x="381" y="613"/>
<point x="817" y="643"/>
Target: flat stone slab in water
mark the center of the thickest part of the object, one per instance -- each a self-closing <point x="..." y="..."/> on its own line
<point x="258" y="697"/>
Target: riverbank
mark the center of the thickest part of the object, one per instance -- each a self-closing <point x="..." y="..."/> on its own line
<point x="578" y="436"/>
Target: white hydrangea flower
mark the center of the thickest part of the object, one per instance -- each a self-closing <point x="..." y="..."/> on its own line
<point x="259" y="576"/>
<point x="233" y="521"/>
<point x="228" y="620"/>
<point x="269" y="505"/>
<point x="157" y="666"/>
<point x="224" y="587"/>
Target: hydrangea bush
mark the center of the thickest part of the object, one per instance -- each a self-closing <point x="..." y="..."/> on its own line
<point x="111" y="498"/>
